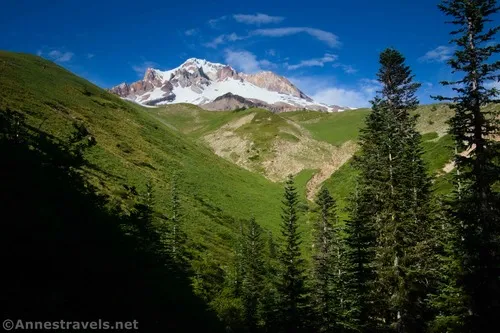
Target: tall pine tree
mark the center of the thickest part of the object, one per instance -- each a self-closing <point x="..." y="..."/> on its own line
<point x="291" y="287"/>
<point x="253" y="268"/>
<point x="476" y="205"/>
<point x="393" y="200"/>
<point x="327" y="270"/>
<point x="360" y="255"/>
<point x="270" y="299"/>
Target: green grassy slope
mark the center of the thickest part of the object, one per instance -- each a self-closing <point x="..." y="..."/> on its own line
<point x="304" y="140"/>
<point x="334" y="128"/>
<point x="134" y="147"/>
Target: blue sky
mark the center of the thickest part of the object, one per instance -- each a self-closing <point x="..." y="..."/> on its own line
<point x="329" y="49"/>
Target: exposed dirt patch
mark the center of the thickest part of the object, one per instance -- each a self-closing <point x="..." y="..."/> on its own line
<point x="229" y="145"/>
<point x="451" y="164"/>
<point x="285" y="157"/>
<point x="339" y="156"/>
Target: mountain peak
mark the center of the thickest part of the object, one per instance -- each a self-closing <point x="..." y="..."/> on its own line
<point x="199" y="61"/>
<point x="201" y="82"/>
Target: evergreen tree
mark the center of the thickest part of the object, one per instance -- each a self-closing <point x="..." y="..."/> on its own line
<point x="270" y="298"/>
<point x="291" y="288"/>
<point x="325" y="265"/>
<point x="360" y="255"/>
<point x="253" y="268"/>
<point x="447" y="299"/>
<point x="271" y="247"/>
<point x="394" y="202"/>
<point x="476" y="205"/>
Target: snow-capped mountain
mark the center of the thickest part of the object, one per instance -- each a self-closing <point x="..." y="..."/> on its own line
<point x="217" y="87"/>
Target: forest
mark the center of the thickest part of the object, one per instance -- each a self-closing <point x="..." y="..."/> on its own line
<point x="400" y="257"/>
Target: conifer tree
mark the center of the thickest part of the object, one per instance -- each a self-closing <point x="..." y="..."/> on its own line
<point x="253" y="268"/>
<point x="270" y="299"/>
<point x="291" y="287"/>
<point x="360" y="255"/>
<point x="325" y="265"/>
<point x="393" y="202"/>
<point x="447" y="298"/>
<point x="476" y="205"/>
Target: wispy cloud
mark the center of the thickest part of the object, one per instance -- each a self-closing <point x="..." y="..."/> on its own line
<point x="326" y="37"/>
<point x="348" y="69"/>
<point x="245" y="61"/>
<point x="39" y="53"/>
<point x="271" y="52"/>
<point x="216" y="42"/>
<point x="257" y="19"/>
<point x="360" y="97"/>
<point x="341" y="97"/>
<point x="370" y="86"/>
<point x="439" y="54"/>
<point x="222" y="39"/>
<point x="324" y="90"/>
<point x="316" y="62"/>
<point x="60" y="56"/>
<point x="90" y="55"/>
<point x="215" y="22"/>
<point x="191" y="32"/>
<point x="140" y="69"/>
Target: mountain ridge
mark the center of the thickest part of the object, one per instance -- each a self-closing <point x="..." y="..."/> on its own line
<point x="200" y="82"/>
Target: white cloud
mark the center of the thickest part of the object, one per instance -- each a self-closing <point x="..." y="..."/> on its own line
<point x="216" y="42"/>
<point x="316" y="62"/>
<point x="245" y="61"/>
<point x="312" y="84"/>
<point x="191" y="32"/>
<point x="324" y="90"/>
<point x="267" y="63"/>
<point x="141" y="68"/>
<point x="233" y="37"/>
<point x="326" y="37"/>
<point x="60" y="56"/>
<point x="39" y="53"/>
<point x="222" y="39"/>
<point x="360" y="97"/>
<point x="439" y="54"/>
<point x="257" y="19"/>
<point x="342" y="97"/>
<point x="90" y="55"/>
<point x="214" y="22"/>
<point x="271" y="52"/>
<point x="370" y="85"/>
<point x="348" y="69"/>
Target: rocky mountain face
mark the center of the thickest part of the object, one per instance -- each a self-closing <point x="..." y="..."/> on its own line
<point x="216" y="86"/>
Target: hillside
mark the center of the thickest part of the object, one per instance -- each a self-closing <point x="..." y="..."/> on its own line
<point x="133" y="147"/>
<point x="300" y="142"/>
